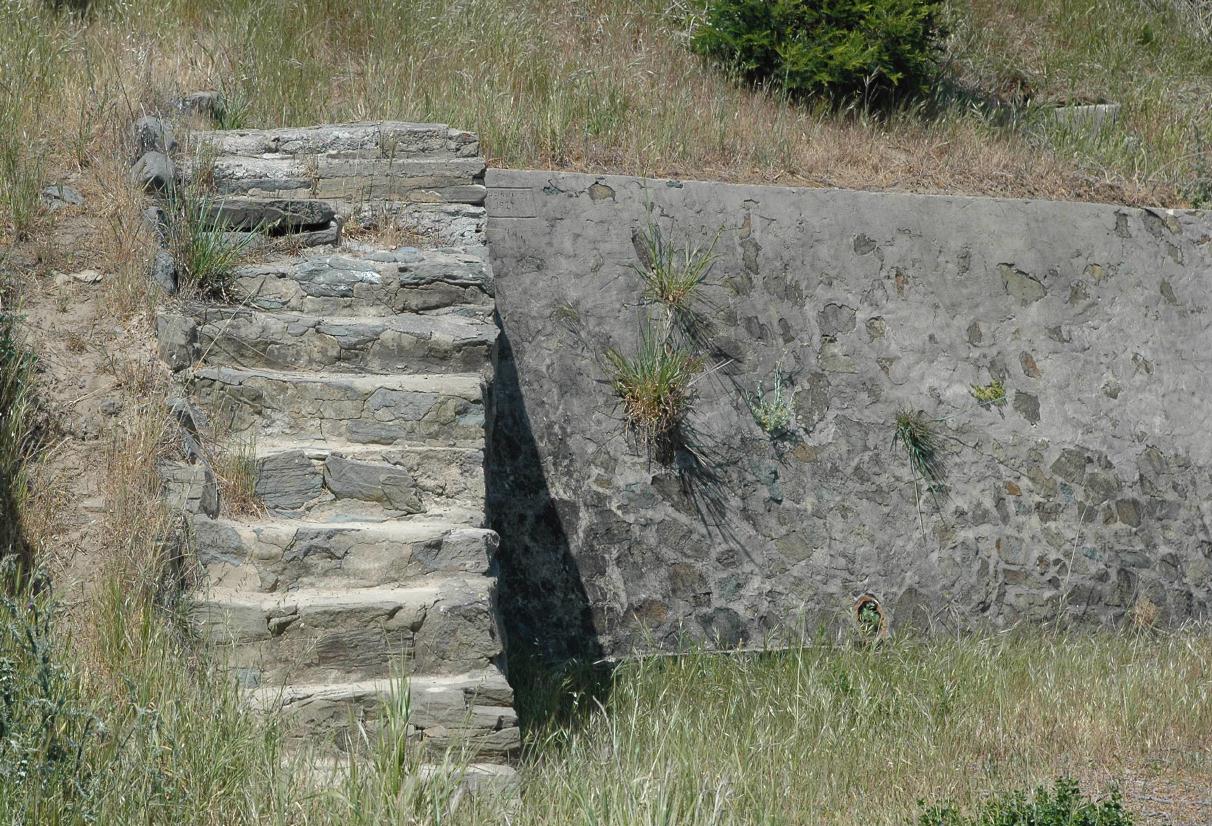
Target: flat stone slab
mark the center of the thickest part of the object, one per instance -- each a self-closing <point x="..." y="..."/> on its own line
<point x="246" y="337"/>
<point x="442" y="625"/>
<point x="274" y="555"/>
<point x="367" y="139"/>
<point x="362" y="282"/>
<point x="380" y="410"/>
<point x="272" y="216"/>
<point x="472" y="709"/>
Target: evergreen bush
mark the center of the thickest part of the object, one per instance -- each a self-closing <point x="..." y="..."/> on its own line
<point x="874" y="49"/>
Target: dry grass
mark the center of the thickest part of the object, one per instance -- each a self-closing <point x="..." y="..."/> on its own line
<point x="608" y="86"/>
<point x="235" y="467"/>
<point x="858" y="736"/>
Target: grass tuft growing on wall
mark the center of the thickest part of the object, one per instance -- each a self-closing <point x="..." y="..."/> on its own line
<point x="655" y="384"/>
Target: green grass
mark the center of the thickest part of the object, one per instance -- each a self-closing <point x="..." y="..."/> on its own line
<point x="152" y="732"/>
<point x="206" y="255"/>
<point x="673" y="275"/>
<point x="1062" y="805"/>
<point x="612" y="86"/>
<point x="917" y="436"/>
<point x="859" y="735"/>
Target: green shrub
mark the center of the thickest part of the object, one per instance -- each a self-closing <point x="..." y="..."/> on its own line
<point x="878" y="49"/>
<point x="1062" y="806"/>
<point x="45" y="728"/>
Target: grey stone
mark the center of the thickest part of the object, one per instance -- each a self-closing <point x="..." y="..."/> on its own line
<point x="835" y="319"/>
<point x="151" y="134"/>
<point x="164" y="271"/>
<point x="59" y="196"/>
<point x="288" y="480"/>
<point x="209" y="104"/>
<point x="110" y="407"/>
<point x="272" y="216"/>
<point x="392" y="486"/>
<point x="1091" y="118"/>
<point x="189" y="487"/>
<point x="190" y="417"/>
<point x="154" y="172"/>
<point x="177" y="339"/>
<point x="156" y="221"/>
<point x="1021" y="285"/>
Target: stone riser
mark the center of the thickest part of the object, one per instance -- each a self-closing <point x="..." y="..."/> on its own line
<point x="386" y="410"/>
<point x="385" y="484"/>
<point x="446" y="180"/>
<point x="241" y="337"/>
<point x="353" y="284"/>
<point x="370" y="139"/>
<point x="277" y="556"/>
<point x="445" y="712"/>
<point x="341" y="635"/>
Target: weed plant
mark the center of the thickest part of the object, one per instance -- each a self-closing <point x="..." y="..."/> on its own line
<point x="1061" y="805"/>
<point x="673" y="275"/>
<point x="655" y="384"/>
<point x="915" y="434"/>
<point x="992" y="394"/>
<point x="237" y="468"/>
<point x="773" y="411"/>
<point x="206" y="254"/>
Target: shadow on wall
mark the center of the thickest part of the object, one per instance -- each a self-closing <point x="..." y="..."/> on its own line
<point x="544" y="606"/>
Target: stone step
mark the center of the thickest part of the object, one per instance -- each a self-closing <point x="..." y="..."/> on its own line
<point x="268" y="216"/>
<point x="360" y="409"/>
<point x="345" y="481"/>
<point x="245" y="337"/>
<point x="442" y="625"/>
<point x="446" y="713"/>
<point x="350" y="180"/>
<point x="368" y="139"/>
<point x="276" y="555"/>
<point x="360" y="281"/>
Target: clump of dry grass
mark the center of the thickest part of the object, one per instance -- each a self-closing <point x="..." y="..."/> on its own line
<point x="236" y="468"/>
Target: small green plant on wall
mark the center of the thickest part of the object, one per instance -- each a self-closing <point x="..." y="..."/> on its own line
<point x="772" y="411"/>
<point x="989" y="395"/>
<point x="673" y="276"/>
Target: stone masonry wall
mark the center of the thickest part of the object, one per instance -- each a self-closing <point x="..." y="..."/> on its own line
<point x="1084" y="495"/>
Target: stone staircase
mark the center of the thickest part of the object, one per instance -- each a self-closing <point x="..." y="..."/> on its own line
<point x="359" y="375"/>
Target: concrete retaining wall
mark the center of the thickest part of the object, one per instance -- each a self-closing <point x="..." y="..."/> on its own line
<point x="1084" y="495"/>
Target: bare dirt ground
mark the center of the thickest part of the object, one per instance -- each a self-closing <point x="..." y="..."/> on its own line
<point x="94" y="369"/>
